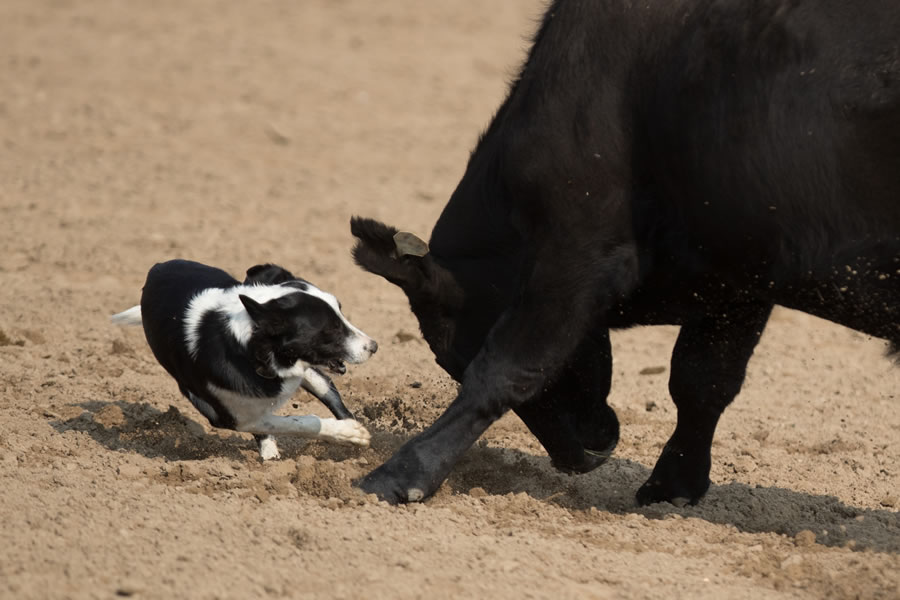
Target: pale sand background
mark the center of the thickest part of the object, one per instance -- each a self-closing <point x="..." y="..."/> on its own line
<point x="241" y="132"/>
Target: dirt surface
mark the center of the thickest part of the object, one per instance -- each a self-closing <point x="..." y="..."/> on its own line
<point x="236" y="133"/>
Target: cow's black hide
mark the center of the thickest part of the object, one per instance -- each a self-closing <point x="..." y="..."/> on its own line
<point x="689" y="162"/>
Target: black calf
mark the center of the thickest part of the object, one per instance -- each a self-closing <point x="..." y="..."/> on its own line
<point x="692" y="162"/>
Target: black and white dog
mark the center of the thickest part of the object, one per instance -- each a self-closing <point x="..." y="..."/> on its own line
<point x="239" y="351"/>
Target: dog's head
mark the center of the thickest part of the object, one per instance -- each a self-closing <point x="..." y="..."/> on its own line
<point x="304" y="327"/>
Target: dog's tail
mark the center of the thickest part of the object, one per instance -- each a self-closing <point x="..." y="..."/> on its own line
<point x="132" y="316"/>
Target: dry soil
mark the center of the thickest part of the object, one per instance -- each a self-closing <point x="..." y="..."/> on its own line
<point x="236" y="133"/>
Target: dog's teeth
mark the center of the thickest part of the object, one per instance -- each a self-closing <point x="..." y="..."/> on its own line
<point x="415" y="495"/>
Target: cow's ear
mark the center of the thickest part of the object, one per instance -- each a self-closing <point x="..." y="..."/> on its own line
<point x="382" y="250"/>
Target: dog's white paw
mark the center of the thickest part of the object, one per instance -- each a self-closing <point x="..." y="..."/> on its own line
<point x="345" y="431"/>
<point x="268" y="449"/>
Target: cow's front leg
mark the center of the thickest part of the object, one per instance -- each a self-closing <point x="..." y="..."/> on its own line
<point x="491" y="385"/>
<point x="708" y="367"/>
<point x="524" y="352"/>
<point x="571" y="418"/>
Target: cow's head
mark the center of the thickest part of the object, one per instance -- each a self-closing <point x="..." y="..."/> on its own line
<point x="456" y="305"/>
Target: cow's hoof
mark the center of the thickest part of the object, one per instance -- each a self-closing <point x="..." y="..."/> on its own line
<point x="592" y="441"/>
<point x="676" y="479"/>
<point x="394" y="486"/>
<point x="590" y="460"/>
<point x="389" y="492"/>
<point x="383" y="488"/>
<point x="654" y="491"/>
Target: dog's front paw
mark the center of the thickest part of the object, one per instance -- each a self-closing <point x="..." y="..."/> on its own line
<point x="345" y="431"/>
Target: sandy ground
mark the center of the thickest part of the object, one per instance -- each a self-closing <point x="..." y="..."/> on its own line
<point x="241" y="132"/>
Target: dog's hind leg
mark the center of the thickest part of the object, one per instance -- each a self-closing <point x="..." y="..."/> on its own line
<point x="319" y="385"/>
<point x="268" y="448"/>
<point x="343" y="431"/>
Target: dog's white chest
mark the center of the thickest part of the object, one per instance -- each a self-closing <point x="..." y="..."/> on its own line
<point x="250" y="409"/>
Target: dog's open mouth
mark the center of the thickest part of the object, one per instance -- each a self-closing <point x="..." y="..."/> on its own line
<point x="337" y="367"/>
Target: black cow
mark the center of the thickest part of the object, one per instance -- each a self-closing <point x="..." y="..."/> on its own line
<point x="686" y="162"/>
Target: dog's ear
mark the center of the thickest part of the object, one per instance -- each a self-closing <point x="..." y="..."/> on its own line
<point x="256" y="310"/>
<point x="268" y="317"/>
<point x="268" y="274"/>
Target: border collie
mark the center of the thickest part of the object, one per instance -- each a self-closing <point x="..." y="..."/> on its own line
<point x="239" y="351"/>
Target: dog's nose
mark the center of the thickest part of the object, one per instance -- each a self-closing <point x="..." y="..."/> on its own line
<point x="372" y="347"/>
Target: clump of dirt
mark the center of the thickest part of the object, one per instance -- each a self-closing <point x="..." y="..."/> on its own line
<point x="121" y="348"/>
<point x="6" y="340"/>
<point x="110" y="416"/>
<point x="328" y="479"/>
<point x="391" y="414"/>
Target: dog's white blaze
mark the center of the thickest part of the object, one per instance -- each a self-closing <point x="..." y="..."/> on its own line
<point x="359" y="345"/>
<point x="227" y="302"/>
<point x="359" y="348"/>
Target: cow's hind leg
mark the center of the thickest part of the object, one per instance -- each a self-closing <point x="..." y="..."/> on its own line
<point x="571" y="418"/>
<point x="708" y="367"/>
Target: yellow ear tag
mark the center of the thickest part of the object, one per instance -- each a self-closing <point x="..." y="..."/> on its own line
<point x="409" y="245"/>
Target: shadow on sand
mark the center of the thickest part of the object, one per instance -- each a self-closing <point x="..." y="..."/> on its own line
<point x="141" y="428"/>
<point x="611" y="488"/>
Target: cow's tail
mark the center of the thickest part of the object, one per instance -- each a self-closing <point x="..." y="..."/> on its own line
<point x="132" y="316"/>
